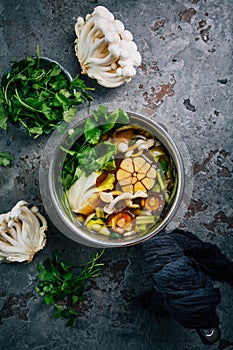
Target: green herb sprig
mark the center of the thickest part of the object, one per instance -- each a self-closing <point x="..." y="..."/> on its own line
<point x="37" y="95"/>
<point x="63" y="285"/>
<point x="5" y="158"/>
<point x="86" y="155"/>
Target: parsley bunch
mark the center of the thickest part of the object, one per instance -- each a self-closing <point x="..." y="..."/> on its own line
<point x="37" y="95"/>
<point x="63" y="285"/>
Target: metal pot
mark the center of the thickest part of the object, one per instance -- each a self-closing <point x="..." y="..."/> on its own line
<point x="52" y="192"/>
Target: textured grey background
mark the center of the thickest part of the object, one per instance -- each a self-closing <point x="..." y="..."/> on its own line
<point x="185" y="79"/>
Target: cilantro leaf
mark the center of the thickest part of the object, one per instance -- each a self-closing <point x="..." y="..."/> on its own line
<point x="91" y="131"/>
<point x="69" y="114"/>
<point x="3" y="118"/>
<point x="88" y="154"/>
<point x="5" y="158"/>
<point x="101" y="114"/>
<point x="106" y="121"/>
<point x="118" y="116"/>
<point x="164" y="165"/>
<point x="107" y="151"/>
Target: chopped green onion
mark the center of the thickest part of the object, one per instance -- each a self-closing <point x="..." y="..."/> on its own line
<point x="140" y="220"/>
<point x="141" y="228"/>
<point x="114" y="235"/>
<point x="160" y="180"/>
<point x="173" y="190"/>
<point x="156" y="188"/>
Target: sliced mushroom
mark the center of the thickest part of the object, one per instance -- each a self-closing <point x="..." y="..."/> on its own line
<point x="122" y="221"/>
<point x="126" y="132"/>
<point x="122" y="200"/>
<point x="155" y="202"/>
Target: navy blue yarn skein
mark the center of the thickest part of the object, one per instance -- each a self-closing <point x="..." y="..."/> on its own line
<point x="188" y="293"/>
<point x="182" y="267"/>
<point x="211" y="260"/>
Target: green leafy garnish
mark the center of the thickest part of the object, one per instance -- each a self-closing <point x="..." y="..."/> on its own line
<point x="37" y="95"/>
<point x="90" y="155"/>
<point x="63" y="285"/>
<point x="5" y="158"/>
<point x="164" y="165"/>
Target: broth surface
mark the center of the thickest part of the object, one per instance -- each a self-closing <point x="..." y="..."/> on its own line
<point x="128" y="186"/>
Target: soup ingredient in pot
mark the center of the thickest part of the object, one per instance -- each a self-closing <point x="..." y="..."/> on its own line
<point x="122" y="222"/>
<point x="136" y="174"/>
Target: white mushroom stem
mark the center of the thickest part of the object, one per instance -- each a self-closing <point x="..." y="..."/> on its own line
<point x="106" y="61"/>
<point x="11" y="230"/>
<point x="19" y="234"/>
<point x="105" y="50"/>
<point x="97" y="48"/>
<point x="107" y="80"/>
<point x="146" y="144"/>
<point x="82" y="38"/>
<point x="35" y="210"/>
<point x="8" y="239"/>
<point x="141" y="145"/>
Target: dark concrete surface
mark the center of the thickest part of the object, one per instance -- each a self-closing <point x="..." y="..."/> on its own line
<point x="185" y="80"/>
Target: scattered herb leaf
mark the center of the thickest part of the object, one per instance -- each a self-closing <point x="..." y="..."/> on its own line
<point x="63" y="285"/>
<point x="5" y="158"/>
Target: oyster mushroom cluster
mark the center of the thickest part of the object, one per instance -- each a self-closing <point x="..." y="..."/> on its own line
<point x="22" y="233"/>
<point x="105" y="49"/>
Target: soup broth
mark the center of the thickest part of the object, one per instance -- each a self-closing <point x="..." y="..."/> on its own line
<point x="124" y="183"/>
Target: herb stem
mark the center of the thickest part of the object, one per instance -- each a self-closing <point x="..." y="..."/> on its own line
<point x="46" y="89"/>
<point x="38" y="55"/>
<point x="9" y="82"/>
<point x="25" y="104"/>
